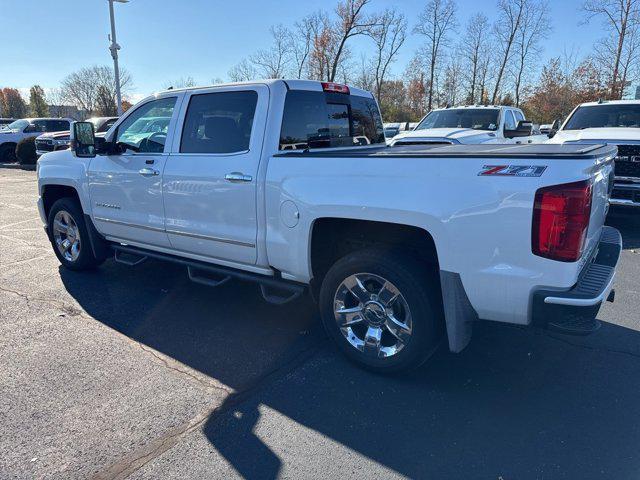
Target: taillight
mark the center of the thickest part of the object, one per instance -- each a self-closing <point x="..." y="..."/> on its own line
<point x="335" y="87"/>
<point x="560" y="221"/>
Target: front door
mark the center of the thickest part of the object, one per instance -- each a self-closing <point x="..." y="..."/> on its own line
<point x="210" y="180"/>
<point x="126" y="188"/>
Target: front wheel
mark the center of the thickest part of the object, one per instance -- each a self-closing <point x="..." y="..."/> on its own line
<point x="69" y="235"/>
<point x="382" y="309"/>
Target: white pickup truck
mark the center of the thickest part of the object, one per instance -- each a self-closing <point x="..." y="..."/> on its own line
<point x="612" y="123"/>
<point x="380" y="236"/>
<point x="472" y="124"/>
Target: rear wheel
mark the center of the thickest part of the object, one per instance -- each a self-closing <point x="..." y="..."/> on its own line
<point x="69" y="235"/>
<point x="382" y="309"/>
<point x="7" y="153"/>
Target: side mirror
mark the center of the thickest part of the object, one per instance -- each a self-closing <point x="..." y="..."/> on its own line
<point x="523" y="129"/>
<point x="83" y="140"/>
<point x="554" y="128"/>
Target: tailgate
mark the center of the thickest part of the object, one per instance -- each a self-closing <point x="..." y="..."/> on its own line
<point x="602" y="175"/>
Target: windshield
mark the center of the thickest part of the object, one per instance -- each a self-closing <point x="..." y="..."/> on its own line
<point x="475" y="118"/>
<point x="605" y="116"/>
<point x="17" y="126"/>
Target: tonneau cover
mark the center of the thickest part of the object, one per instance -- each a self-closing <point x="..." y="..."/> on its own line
<point x="536" y="150"/>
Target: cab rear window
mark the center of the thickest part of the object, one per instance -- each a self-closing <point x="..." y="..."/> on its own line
<point x="324" y="120"/>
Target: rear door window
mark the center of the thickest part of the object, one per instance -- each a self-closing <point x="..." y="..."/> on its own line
<point x="323" y="120"/>
<point x="219" y="122"/>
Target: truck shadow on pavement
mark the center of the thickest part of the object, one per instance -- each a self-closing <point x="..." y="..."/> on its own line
<point x="627" y="220"/>
<point x="517" y="403"/>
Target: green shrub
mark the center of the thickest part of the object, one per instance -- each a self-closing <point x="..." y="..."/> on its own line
<point x="26" y="151"/>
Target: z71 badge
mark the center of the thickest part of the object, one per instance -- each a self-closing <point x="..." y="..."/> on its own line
<point x="513" y="170"/>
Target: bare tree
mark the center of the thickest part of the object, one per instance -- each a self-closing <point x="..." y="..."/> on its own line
<point x="510" y="13"/>
<point x="535" y="26"/>
<point x="452" y="81"/>
<point x="622" y="17"/>
<point x="389" y="35"/>
<point x="630" y="61"/>
<point x="182" y="82"/>
<point x="365" y="78"/>
<point x="105" y="103"/>
<point x="351" y="22"/>
<point x="273" y="61"/>
<point x="323" y="40"/>
<point x="302" y="43"/>
<point x="81" y="88"/>
<point x="436" y="22"/>
<point x="474" y="51"/>
<point x="243" y="71"/>
<point x="416" y="88"/>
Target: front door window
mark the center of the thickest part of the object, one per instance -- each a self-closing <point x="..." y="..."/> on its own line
<point x="145" y="130"/>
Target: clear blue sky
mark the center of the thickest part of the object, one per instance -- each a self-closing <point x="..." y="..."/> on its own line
<point x="163" y="40"/>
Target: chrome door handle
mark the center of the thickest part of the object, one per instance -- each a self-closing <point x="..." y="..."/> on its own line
<point x="148" y="172"/>
<point x="237" y="177"/>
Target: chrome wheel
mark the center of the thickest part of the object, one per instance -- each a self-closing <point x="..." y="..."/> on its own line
<point x="372" y="315"/>
<point x="66" y="236"/>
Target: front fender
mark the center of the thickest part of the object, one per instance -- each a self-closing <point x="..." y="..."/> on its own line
<point x="65" y="169"/>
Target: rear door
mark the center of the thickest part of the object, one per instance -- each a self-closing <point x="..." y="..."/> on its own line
<point x="126" y="188"/>
<point x="210" y="180"/>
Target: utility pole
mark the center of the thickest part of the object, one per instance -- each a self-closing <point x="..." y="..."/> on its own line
<point x="114" y="47"/>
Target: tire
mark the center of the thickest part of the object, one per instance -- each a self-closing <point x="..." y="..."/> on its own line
<point x="8" y="153"/>
<point x="417" y="304"/>
<point x="78" y="255"/>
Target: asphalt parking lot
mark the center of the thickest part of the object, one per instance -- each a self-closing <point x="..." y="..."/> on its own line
<point x="138" y="373"/>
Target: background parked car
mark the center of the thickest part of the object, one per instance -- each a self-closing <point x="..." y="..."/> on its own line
<point x="52" y="141"/>
<point x="12" y="133"/>
<point x="472" y="124"/>
<point x="393" y="129"/>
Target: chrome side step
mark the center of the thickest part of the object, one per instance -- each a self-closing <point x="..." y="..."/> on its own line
<point x="273" y="290"/>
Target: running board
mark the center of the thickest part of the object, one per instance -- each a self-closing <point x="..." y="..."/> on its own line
<point x="272" y="295"/>
<point x="208" y="281"/>
<point x="274" y="290"/>
<point x="137" y="258"/>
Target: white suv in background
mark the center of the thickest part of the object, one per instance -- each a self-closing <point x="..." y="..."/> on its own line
<point x="11" y="134"/>
<point x="472" y="124"/>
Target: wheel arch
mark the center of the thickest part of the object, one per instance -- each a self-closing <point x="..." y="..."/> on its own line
<point x="51" y="193"/>
<point x="332" y="238"/>
<point x="327" y="244"/>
